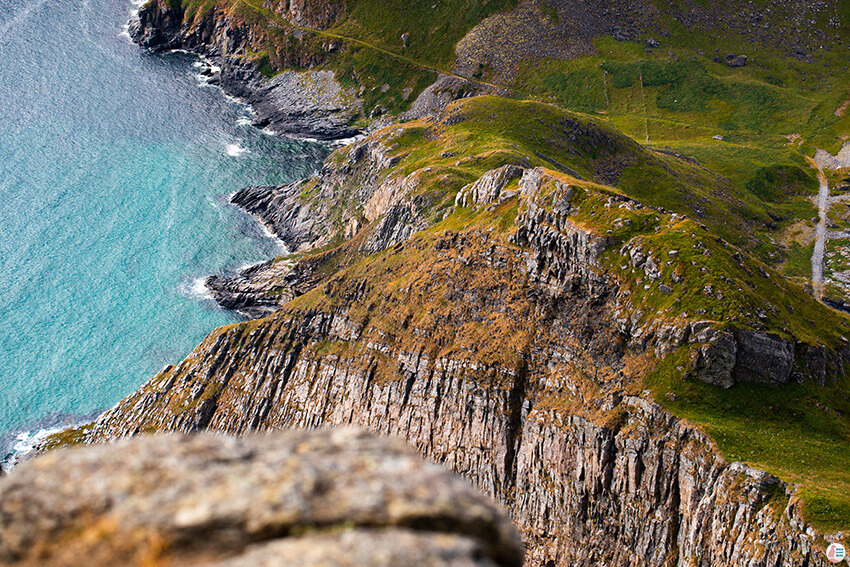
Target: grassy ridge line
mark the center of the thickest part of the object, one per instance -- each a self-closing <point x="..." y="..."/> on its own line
<point x="424" y="66"/>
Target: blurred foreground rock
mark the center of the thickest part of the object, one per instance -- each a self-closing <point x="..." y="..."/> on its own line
<point x="305" y="498"/>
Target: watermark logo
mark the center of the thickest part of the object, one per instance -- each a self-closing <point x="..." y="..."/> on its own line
<point x="835" y="552"/>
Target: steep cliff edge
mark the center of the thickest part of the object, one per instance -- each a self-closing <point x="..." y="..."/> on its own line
<point x="525" y="327"/>
<point x="591" y="330"/>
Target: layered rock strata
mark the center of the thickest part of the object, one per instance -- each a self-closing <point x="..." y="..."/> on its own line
<point x="306" y="104"/>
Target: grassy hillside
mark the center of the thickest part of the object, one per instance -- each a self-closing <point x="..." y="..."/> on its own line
<point x="675" y="98"/>
<point x="671" y="94"/>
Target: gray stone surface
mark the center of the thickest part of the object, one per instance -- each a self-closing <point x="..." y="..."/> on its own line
<point x="489" y="188"/>
<point x="325" y="497"/>
<point x="763" y="357"/>
<point x="838" y="161"/>
<point x="307" y="104"/>
<point x="303" y="104"/>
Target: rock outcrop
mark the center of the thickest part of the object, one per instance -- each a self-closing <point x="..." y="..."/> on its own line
<point x="564" y="29"/>
<point x="302" y="214"/>
<point x="257" y="290"/>
<point x="841" y="160"/>
<point x="313" y="14"/>
<point x="307" y="104"/>
<point x="490" y="188"/>
<point x="329" y="497"/>
<point x="634" y="486"/>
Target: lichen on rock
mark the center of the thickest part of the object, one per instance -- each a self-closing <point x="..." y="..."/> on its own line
<point x="328" y="497"/>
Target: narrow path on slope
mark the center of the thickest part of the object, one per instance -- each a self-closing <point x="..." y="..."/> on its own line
<point x="820" y="232"/>
<point x="398" y="56"/>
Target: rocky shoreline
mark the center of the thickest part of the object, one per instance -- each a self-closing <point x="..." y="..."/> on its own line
<point x="306" y="105"/>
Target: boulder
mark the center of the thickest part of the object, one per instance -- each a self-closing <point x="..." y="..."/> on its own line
<point x="322" y="497"/>
<point x="714" y="355"/>
<point x="733" y="60"/>
<point x="489" y="188"/>
<point x="763" y="357"/>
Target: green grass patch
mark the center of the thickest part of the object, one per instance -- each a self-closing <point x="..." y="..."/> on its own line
<point x="797" y="432"/>
<point x="799" y="261"/>
<point x="433" y="28"/>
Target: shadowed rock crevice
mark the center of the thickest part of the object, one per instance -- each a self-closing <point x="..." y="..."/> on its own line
<point x="518" y="407"/>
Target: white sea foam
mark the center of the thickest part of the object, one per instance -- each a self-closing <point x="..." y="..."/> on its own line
<point x="243" y="122"/>
<point x="233" y="99"/>
<point x="26" y="442"/>
<point x="195" y="289"/>
<point x="347" y="141"/>
<point x="269" y="132"/>
<point x="268" y="233"/>
<point x="235" y="150"/>
<point x="199" y="288"/>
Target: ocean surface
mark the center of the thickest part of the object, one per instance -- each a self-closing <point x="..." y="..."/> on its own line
<point x="116" y="167"/>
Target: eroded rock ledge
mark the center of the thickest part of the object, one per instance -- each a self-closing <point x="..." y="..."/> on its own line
<point x="590" y="472"/>
<point x="328" y="497"/>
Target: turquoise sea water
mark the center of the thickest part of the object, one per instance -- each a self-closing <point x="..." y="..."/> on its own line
<point x="115" y="171"/>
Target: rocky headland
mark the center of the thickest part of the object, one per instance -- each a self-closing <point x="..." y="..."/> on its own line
<point x="512" y="353"/>
<point x="309" y="104"/>
<point x="579" y="325"/>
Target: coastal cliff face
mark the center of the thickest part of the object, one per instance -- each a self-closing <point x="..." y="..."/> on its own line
<point x="524" y="294"/>
<point x="509" y="341"/>
<point x="299" y="102"/>
<point x="630" y="485"/>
